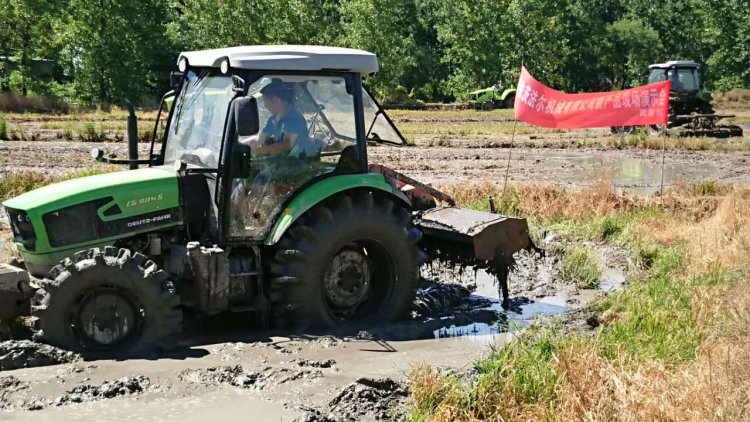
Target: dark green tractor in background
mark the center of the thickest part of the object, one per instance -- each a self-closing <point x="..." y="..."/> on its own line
<point x="313" y="237"/>
<point x="691" y="109"/>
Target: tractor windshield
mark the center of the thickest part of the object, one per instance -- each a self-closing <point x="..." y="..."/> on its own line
<point x="197" y="125"/>
<point x="683" y="80"/>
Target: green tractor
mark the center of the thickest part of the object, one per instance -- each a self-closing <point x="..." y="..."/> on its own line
<point x="691" y="110"/>
<point x="259" y="200"/>
<point x="496" y="96"/>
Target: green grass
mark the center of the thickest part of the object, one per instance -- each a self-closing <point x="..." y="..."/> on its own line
<point x="579" y="268"/>
<point x="3" y="128"/>
<point x="78" y="126"/>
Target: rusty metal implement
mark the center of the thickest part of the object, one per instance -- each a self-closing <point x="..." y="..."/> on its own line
<point x="475" y="238"/>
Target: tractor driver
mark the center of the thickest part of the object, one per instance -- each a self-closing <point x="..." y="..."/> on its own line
<point x="285" y="132"/>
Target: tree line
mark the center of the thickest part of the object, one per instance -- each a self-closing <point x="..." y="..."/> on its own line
<point x="99" y="51"/>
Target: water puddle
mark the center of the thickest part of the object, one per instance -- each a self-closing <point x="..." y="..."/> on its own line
<point x="522" y="310"/>
<point x="517" y="318"/>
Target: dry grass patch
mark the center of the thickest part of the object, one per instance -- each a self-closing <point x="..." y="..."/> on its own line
<point x="546" y="202"/>
<point x="716" y="386"/>
<point x="721" y="240"/>
<point x="738" y="99"/>
<point x="14" y="184"/>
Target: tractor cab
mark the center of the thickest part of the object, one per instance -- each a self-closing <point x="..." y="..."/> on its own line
<point x="684" y="75"/>
<point x="266" y="128"/>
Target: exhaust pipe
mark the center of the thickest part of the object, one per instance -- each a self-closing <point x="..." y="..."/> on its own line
<point x="132" y="136"/>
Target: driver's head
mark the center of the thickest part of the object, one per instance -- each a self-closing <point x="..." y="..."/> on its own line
<point x="277" y="96"/>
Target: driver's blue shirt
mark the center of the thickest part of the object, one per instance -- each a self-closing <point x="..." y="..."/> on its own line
<point x="292" y="122"/>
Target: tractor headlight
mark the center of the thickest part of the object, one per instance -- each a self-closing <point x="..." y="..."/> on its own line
<point x="182" y="65"/>
<point x="224" y="66"/>
<point x="23" y="230"/>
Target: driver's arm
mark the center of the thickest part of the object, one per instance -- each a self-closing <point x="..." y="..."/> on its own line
<point x="255" y="140"/>
<point x="282" y="147"/>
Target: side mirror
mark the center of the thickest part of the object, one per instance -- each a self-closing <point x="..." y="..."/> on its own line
<point x="246" y="116"/>
<point x="240" y="161"/>
<point x="174" y="79"/>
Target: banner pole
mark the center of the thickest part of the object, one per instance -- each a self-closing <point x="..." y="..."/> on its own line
<point x="510" y="153"/>
<point x="663" y="155"/>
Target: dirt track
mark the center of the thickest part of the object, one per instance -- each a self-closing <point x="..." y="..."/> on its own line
<point x="453" y="147"/>
<point x="569" y="167"/>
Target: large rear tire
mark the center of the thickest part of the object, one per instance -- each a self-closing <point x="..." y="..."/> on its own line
<point x="509" y="101"/>
<point x="110" y="303"/>
<point x="352" y="258"/>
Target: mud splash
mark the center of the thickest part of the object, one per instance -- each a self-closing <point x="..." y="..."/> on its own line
<point x="127" y="386"/>
<point x="15" y="354"/>
<point x="237" y="377"/>
<point x="364" y="399"/>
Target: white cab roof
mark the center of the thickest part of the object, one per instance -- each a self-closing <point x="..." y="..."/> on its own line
<point x="286" y="57"/>
<point x="677" y="63"/>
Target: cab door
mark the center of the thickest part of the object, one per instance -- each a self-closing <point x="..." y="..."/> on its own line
<point x="325" y="145"/>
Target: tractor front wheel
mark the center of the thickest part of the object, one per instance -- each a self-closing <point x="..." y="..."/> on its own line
<point x="110" y="303"/>
<point x="353" y="258"/>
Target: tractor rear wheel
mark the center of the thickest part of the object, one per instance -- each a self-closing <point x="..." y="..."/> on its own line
<point x="353" y="258"/>
<point x="110" y="303"/>
<point x="509" y="101"/>
<point x="619" y="130"/>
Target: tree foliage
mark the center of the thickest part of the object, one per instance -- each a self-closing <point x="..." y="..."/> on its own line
<point x="429" y="50"/>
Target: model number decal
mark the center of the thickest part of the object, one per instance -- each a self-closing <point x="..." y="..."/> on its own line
<point x="150" y="220"/>
<point x="146" y="200"/>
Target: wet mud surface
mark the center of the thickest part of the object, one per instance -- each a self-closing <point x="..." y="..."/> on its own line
<point x="227" y="368"/>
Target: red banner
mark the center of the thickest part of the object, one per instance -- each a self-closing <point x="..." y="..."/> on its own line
<point x="541" y="105"/>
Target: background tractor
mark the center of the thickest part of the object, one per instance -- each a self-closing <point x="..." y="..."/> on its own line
<point x="691" y="110"/>
<point x="311" y="237"/>
<point x="496" y="96"/>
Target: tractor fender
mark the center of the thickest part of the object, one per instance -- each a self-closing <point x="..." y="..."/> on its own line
<point x="507" y="92"/>
<point x="324" y="189"/>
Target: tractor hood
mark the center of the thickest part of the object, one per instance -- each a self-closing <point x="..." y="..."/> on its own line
<point x="481" y="91"/>
<point x="92" y="211"/>
<point x="126" y="185"/>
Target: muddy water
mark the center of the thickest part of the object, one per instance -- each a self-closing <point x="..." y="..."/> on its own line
<point x="280" y="382"/>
